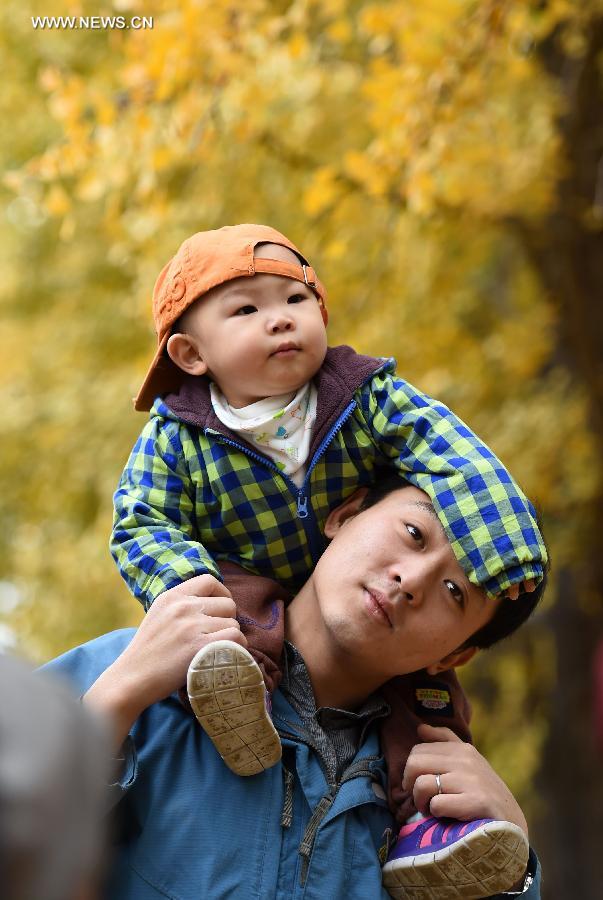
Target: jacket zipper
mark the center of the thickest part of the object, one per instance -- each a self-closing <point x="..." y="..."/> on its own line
<point x="302" y="499"/>
<point x="337" y="426"/>
<point x="316" y="542"/>
<point x="304" y="509"/>
<point x="355" y="770"/>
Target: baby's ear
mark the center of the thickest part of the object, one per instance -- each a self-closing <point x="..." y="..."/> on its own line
<point x="183" y="351"/>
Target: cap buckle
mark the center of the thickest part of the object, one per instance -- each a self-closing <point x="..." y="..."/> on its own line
<point x="306" y="280"/>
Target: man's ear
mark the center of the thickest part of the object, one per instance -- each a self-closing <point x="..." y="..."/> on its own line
<point x="454" y="659"/>
<point x="183" y="351"/>
<point x="338" y="516"/>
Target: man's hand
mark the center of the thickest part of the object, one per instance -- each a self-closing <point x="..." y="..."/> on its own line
<point x="470" y="787"/>
<point x="154" y="664"/>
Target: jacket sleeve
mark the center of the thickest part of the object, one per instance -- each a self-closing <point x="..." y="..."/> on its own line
<point x="414" y="432"/>
<point x="78" y="669"/>
<point x="531" y="888"/>
<point x="153" y="540"/>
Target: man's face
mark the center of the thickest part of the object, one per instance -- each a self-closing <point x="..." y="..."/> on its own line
<point x="258" y="337"/>
<point x="390" y="592"/>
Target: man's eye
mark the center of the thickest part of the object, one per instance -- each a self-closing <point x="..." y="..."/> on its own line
<point x="296" y="298"/>
<point x="456" y="592"/>
<point x="245" y="310"/>
<point x="415" y="533"/>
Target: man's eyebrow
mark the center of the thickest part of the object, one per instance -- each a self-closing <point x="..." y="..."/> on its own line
<point x="428" y="507"/>
<point x="423" y="504"/>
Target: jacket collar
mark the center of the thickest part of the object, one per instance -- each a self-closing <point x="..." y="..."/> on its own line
<point x="340" y="375"/>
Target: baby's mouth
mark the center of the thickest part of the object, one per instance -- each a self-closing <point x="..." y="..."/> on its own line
<point x="285" y="349"/>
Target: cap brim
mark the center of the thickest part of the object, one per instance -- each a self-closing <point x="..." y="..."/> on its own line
<point x="162" y="377"/>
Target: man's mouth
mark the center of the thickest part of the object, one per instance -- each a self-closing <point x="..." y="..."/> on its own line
<point x="379" y="606"/>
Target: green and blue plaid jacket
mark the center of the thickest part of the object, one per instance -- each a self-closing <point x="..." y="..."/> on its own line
<point x="194" y="493"/>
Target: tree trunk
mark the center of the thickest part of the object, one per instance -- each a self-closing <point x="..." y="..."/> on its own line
<point x="567" y="252"/>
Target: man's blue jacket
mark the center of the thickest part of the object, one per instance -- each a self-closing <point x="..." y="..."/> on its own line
<point x="189" y="829"/>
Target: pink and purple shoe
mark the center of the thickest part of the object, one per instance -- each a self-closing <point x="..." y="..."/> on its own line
<point x="437" y="859"/>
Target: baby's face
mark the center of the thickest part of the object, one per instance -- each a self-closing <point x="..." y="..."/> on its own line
<point x="258" y="337"/>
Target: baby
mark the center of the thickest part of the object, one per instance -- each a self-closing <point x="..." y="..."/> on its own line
<point x="257" y="431"/>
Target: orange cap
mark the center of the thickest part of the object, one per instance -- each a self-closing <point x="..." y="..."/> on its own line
<point x="203" y="261"/>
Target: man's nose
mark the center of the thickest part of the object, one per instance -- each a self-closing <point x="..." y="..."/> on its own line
<point x="410" y="583"/>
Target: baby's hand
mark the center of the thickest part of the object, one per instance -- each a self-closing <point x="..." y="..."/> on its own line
<point x="526" y="587"/>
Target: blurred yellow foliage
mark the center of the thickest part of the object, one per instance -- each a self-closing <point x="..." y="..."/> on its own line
<point x="399" y="144"/>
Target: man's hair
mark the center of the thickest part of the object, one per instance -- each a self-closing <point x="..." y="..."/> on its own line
<point x="509" y="615"/>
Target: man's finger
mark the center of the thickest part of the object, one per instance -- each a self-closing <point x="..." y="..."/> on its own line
<point x="213" y="624"/>
<point x="454" y="806"/>
<point x="205" y="586"/>
<point x="430" y="733"/>
<point x="212" y="606"/>
<point x="425" y="789"/>
<point x="224" y="634"/>
<point x="419" y="765"/>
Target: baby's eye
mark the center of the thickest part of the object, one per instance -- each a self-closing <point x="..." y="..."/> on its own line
<point x="455" y="591"/>
<point x="415" y="533"/>
<point x="296" y="298"/>
<point x="245" y="310"/>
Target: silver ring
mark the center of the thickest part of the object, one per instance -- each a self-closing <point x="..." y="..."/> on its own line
<point x="438" y="779"/>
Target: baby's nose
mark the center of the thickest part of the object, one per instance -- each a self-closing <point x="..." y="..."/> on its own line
<point x="280" y="323"/>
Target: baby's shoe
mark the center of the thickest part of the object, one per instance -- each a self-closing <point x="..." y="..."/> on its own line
<point x="228" y="696"/>
<point x="436" y="859"/>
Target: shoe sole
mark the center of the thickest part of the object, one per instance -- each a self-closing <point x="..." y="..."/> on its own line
<point x="227" y="693"/>
<point x="485" y="862"/>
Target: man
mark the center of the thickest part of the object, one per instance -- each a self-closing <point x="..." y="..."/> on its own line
<point x="386" y="598"/>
